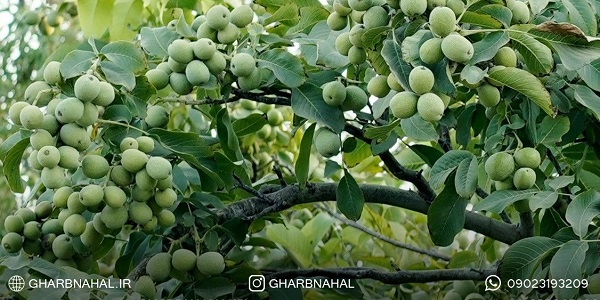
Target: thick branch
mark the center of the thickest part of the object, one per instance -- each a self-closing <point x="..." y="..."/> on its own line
<point x="526" y="225"/>
<point x="291" y="195"/>
<point x="399" y="277"/>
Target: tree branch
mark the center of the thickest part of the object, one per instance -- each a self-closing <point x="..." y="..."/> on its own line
<point x="315" y="192"/>
<point x="382" y="237"/>
<point x="526" y="225"/>
<point x="399" y="277"/>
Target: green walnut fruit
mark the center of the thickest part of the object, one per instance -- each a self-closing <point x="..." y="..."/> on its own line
<point x="506" y="184"/>
<point x="74" y="206"/>
<point x="61" y="195"/>
<point x="180" y="84"/>
<point x="175" y="66"/>
<point x="74" y="225"/>
<point x="33" y="162"/>
<point x="205" y="31"/>
<point x="217" y="17"/>
<point x="52" y="226"/>
<point x="442" y="21"/>
<point x="413" y="8"/>
<point x="128" y="143"/>
<point x="32" y="230"/>
<point x="242" y="64"/>
<point x="165" y="218"/>
<point x="90" y="114"/>
<point x="114" y="218"/>
<point x="140" y="195"/>
<point x="145" y="144"/>
<point x="421" y="80"/>
<point x="464" y="287"/>
<point x="334" y="93"/>
<point x="527" y="157"/>
<point x="157" y="116"/>
<point x="327" y="142"/>
<point x="499" y="166"/>
<point x="594" y="284"/>
<point x="14" y="224"/>
<point x="356" y="98"/>
<point x="183" y="260"/>
<point x="355" y="35"/>
<point x="489" y="95"/>
<point x="251" y="82"/>
<point x="241" y="16"/>
<point x="145" y="287"/>
<point x="378" y="86"/>
<point x="26" y="214"/>
<point x="140" y="212"/>
<point x="199" y="20"/>
<point x="158" y="78"/>
<point x="181" y="51"/>
<point x="452" y="295"/>
<point x="210" y="263"/>
<point x="204" y="48"/>
<point x="216" y="64"/>
<point x="165" y="183"/>
<point x="50" y="124"/>
<point x="69" y="110"/>
<point x="32" y="247"/>
<point x="340" y="9"/>
<point x="404" y="104"/>
<point x="133" y="160"/>
<point x="31" y="18"/>
<point x="144" y="181"/>
<point x="165" y="198"/>
<point x="457" y="48"/>
<point x="376" y="16"/>
<point x="53" y="178"/>
<point x="52" y="73"/>
<point x="524" y="178"/>
<point x="197" y="73"/>
<point x="43" y="209"/>
<point x="360" y="5"/>
<point x="41" y="138"/>
<point x="94" y="166"/>
<point x="91" y="195"/>
<point x="457" y="6"/>
<point x="120" y="176"/>
<point x="430" y="107"/>
<point x="106" y="95"/>
<point x="275" y="117"/>
<point x="357" y="16"/>
<point x="69" y="157"/>
<point x="114" y="196"/>
<point x="158" y="168"/>
<point x="62" y="246"/>
<point x="39" y="92"/>
<point x="506" y="56"/>
<point x="430" y="52"/>
<point x="14" y="112"/>
<point x="48" y="156"/>
<point x="337" y="22"/>
<point x="343" y="44"/>
<point x="228" y="35"/>
<point x="31" y="117"/>
<point x="159" y="266"/>
<point x="12" y="242"/>
<point x="75" y="136"/>
<point x="520" y="13"/>
<point x="357" y="55"/>
<point x="54" y="19"/>
<point x="87" y="88"/>
<point x="99" y="225"/>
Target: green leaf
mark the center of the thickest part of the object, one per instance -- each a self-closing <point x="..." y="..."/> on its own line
<point x="410" y="46"/>
<point x="155" y="41"/>
<point x="381" y="132"/>
<point x="94" y="16"/>
<point x="317" y="227"/>
<point x="117" y="112"/>
<point x="488" y="46"/>
<point x="286" y="15"/>
<point x="418" y="129"/>
<point x="11" y="162"/>
<point x="226" y="134"/>
<point x="543" y="200"/>
<point x="472" y="74"/>
<point x="591" y="74"/>
<point x="446" y="216"/>
<point x="463" y="124"/>
<point x="581" y="211"/>
<point x="497" y="201"/>
<point x="126" y="19"/>
<point x="236" y="229"/>
<point x="536" y="55"/>
<point x="307" y="102"/>
<point x="586" y="97"/>
<point x="466" y="177"/>
<point x="392" y="54"/>
<point x="581" y="14"/>
<point x="483" y="20"/>
<point x="286" y="67"/>
<point x="214" y="287"/>
<point x="126" y="55"/>
<point x="498" y="12"/>
<point x="550" y="130"/>
<point x="249" y="125"/>
<point x="463" y="259"/>
<point x="350" y="198"/>
<point x="295" y="243"/>
<point x="372" y="37"/>
<point x="301" y="167"/>
<point x="445" y="165"/>
<point x="526" y="84"/>
<point x="427" y="153"/>
<point x="76" y="63"/>
<point x="560" y="182"/>
<point x="358" y="153"/>
<point x="181" y="142"/>
<point x="523" y="257"/>
<point x="117" y="75"/>
<point x="309" y="16"/>
<point x="566" y="264"/>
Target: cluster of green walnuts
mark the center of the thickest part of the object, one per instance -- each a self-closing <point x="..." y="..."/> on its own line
<point x="192" y="63"/>
<point x="181" y="263"/>
<point x="47" y="20"/>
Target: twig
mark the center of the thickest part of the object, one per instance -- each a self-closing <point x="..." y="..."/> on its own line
<point x="277" y="170"/>
<point x="382" y="237"/>
<point x="444" y="140"/>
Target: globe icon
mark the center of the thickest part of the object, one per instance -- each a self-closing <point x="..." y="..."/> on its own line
<point x="16" y="283"/>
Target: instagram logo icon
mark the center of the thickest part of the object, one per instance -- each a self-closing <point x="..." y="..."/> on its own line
<point x="257" y="283"/>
